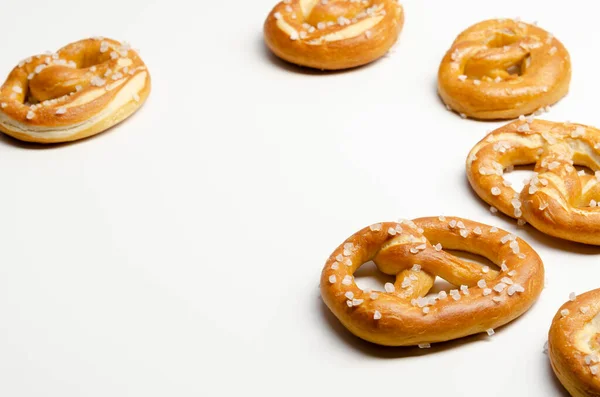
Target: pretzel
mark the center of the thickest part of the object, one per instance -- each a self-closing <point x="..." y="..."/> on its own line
<point x="501" y="69"/>
<point x="333" y="34"/>
<point x="412" y="251"/>
<point x="558" y="200"/>
<point x="574" y="344"/>
<point x="83" y="89"/>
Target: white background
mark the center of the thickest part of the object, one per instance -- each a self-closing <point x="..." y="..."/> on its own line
<point x="179" y="254"/>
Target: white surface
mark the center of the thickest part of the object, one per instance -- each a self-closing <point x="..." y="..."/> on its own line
<point x="179" y="254"/>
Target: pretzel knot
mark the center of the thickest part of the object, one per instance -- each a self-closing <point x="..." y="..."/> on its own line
<point x="558" y="200"/>
<point x="412" y="251"/>
<point x="83" y="89"/>
<point x="574" y="344"/>
<point x="500" y="69"/>
<point x="333" y="34"/>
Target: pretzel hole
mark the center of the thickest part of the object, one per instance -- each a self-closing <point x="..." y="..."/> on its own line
<point x="368" y="276"/>
<point x="518" y="175"/>
<point x="585" y="169"/>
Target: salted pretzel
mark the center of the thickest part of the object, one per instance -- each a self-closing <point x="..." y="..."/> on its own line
<point x="333" y="34"/>
<point x="412" y="251"/>
<point x="83" y="89"/>
<point x="501" y="69"/>
<point x="574" y="344"/>
<point x="558" y="200"/>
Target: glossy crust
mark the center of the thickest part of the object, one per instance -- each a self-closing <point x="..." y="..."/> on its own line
<point x="397" y="247"/>
<point x="487" y="53"/>
<point x="573" y="345"/>
<point x="332" y="36"/>
<point x="85" y="88"/>
<point x="557" y="200"/>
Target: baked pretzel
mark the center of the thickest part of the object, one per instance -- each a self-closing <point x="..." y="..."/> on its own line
<point x="501" y="69"/>
<point x="558" y="200"/>
<point x="83" y="89"/>
<point x="412" y="251"/>
<point x="574" y="344"/>
<point x="333" y="34"/>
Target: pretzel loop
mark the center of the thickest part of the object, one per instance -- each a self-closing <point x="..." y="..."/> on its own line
<point x="333" y="34"/>
<point x="412" y="251"/>
<point x="558" y="200"/>
<point x="501" y="69"/>
<point x="81" y="90"/>
<point x="574" y="344"/>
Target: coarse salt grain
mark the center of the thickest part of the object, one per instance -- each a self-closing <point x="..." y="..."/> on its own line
<point x="564" y="312"/>
<point x="377" y="315"/>
<point x="332" y="279"/>
<point x="376" y="227"/>
<point x="389" y="287"/>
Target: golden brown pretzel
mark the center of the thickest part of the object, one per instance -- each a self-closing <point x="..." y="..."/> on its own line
<point x="501" y="69"/>
<point x="558" y="200"/>
<point x="83" y="89"/>
<point x="412" y="251"/>
<point x="333" y="34"/>
<point x="574" y="344"/>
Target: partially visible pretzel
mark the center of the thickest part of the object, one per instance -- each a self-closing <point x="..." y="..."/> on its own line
<point x="83" y="89"/>
<point x="501" y="69"/>
<point x="574" y="344"/>
<point x="412" y="251"/>
<point x="333" y="34"/>
<point x="558" y="200"/>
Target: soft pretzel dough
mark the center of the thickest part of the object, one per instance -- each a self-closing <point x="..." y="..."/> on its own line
<point x="412" y="251"/>
<point x="574" y="345"/>
<point x="337" y="34"/>
<point x="85" y="88"/>
<point x="558" y="200"/>
<point x="501" y="69"/>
